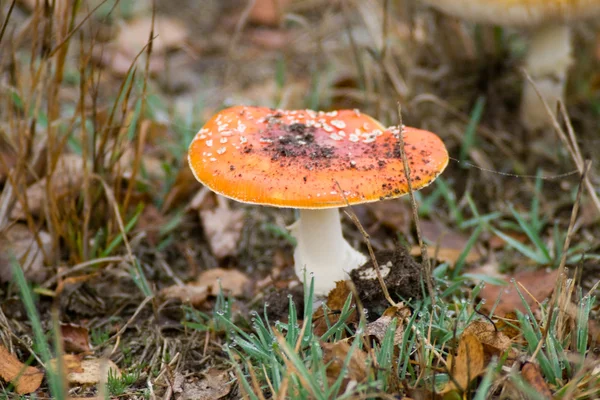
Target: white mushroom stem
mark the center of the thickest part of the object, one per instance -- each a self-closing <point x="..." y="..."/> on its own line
<point x="547" y="62"/>
<point x="322" y="250"/>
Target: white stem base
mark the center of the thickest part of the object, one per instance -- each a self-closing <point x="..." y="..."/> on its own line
<point x="547" y="62"/>
<point x="322" y="250"/>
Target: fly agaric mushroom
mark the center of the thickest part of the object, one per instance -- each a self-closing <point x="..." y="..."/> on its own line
<point x="549" y="53"/>
<point x="301" y="159"/>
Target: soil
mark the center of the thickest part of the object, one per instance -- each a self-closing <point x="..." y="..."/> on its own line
<point x="402" y="275"/>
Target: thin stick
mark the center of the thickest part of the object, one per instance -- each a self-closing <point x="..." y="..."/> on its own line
<point x="415" y="210"/>
<point x="350" y="213"/>
<point x="5" y="24"/>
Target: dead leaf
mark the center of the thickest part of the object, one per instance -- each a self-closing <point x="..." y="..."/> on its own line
<point x="267" y="12"/>
<point x="169" y="34"/>
<point x="215" y="385"/>
<point x="75" y="338"/>
<point x="231" y="281"/>
<point x="22" y="243"/>
<point x="93" y="371"/>
<point x="532" y="375"/>
<point x="467" y="365"/>
<point x="223" y="228"/>
<point x="509" y="325"/>
<point x="335" y="302"/>
<point x="335" y="355"/>
<point x="192" y="294"/>
<point x="66" y="180"/>
<point x="120" y="63"/>
<point x="70" y="363"/>
<point x="495" y="343"/>
<point x="539" y="283"/>
<point x="25" y="379"/>
<point x="379" y="327"/>
<point x="448" y="255"/>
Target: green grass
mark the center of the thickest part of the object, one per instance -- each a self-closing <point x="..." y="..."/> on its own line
<point x="55" y="382"/>
<point x="287" y="356"/>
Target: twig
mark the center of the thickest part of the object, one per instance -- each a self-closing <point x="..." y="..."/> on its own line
<point x="352" y="215"/>
<point x="426" y="262"/>
<point x="124" y="328"/>
<point x="5" y="24"/>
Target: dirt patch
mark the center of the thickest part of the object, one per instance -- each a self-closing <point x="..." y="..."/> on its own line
<point x="401" y="274"/>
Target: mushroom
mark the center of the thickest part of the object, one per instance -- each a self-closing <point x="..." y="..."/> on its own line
<point x="549" y="55"/>
<point x="316" y="162"/>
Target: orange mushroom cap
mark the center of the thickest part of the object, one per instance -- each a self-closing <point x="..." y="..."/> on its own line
<point x="297" y="158"/>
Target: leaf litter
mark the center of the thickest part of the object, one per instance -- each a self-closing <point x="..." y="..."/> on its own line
<point x="26" y="379"/>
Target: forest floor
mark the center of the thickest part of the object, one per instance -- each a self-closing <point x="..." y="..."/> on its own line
<point x="123" y="277"/>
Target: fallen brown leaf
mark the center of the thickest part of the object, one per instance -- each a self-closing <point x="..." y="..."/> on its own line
<point x="93" y="371"/>
<point x="70" y="363"/>
<point x="448" y="255"/>
<point x="75" y="338"/>
<point x="335" y="355"/>
<point x="223" y="228"/>
<point x="231" y="281"/>
<point x="379" y="327"/>
<point x="532" y="375"/>
<point x="194" y="295"/>
<point x="539" y="283"/>
<point x="495" y="343"/>
<point x="215" y="385"/>
<point x="335" y="302"/>
<point x="22" y="243"/>
<point x="169" y="34"/>
<point x="25" y="379"/>
<point x="65" y="180"/>
<point x="467" y="365"/>
<point x="509" y="325"/>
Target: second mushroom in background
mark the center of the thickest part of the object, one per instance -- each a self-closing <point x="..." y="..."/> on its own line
<point x="550" y="50"/>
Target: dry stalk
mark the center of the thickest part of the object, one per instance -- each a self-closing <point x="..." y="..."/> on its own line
<point x="352" y="215"/>
<point x="426" y="262"/>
